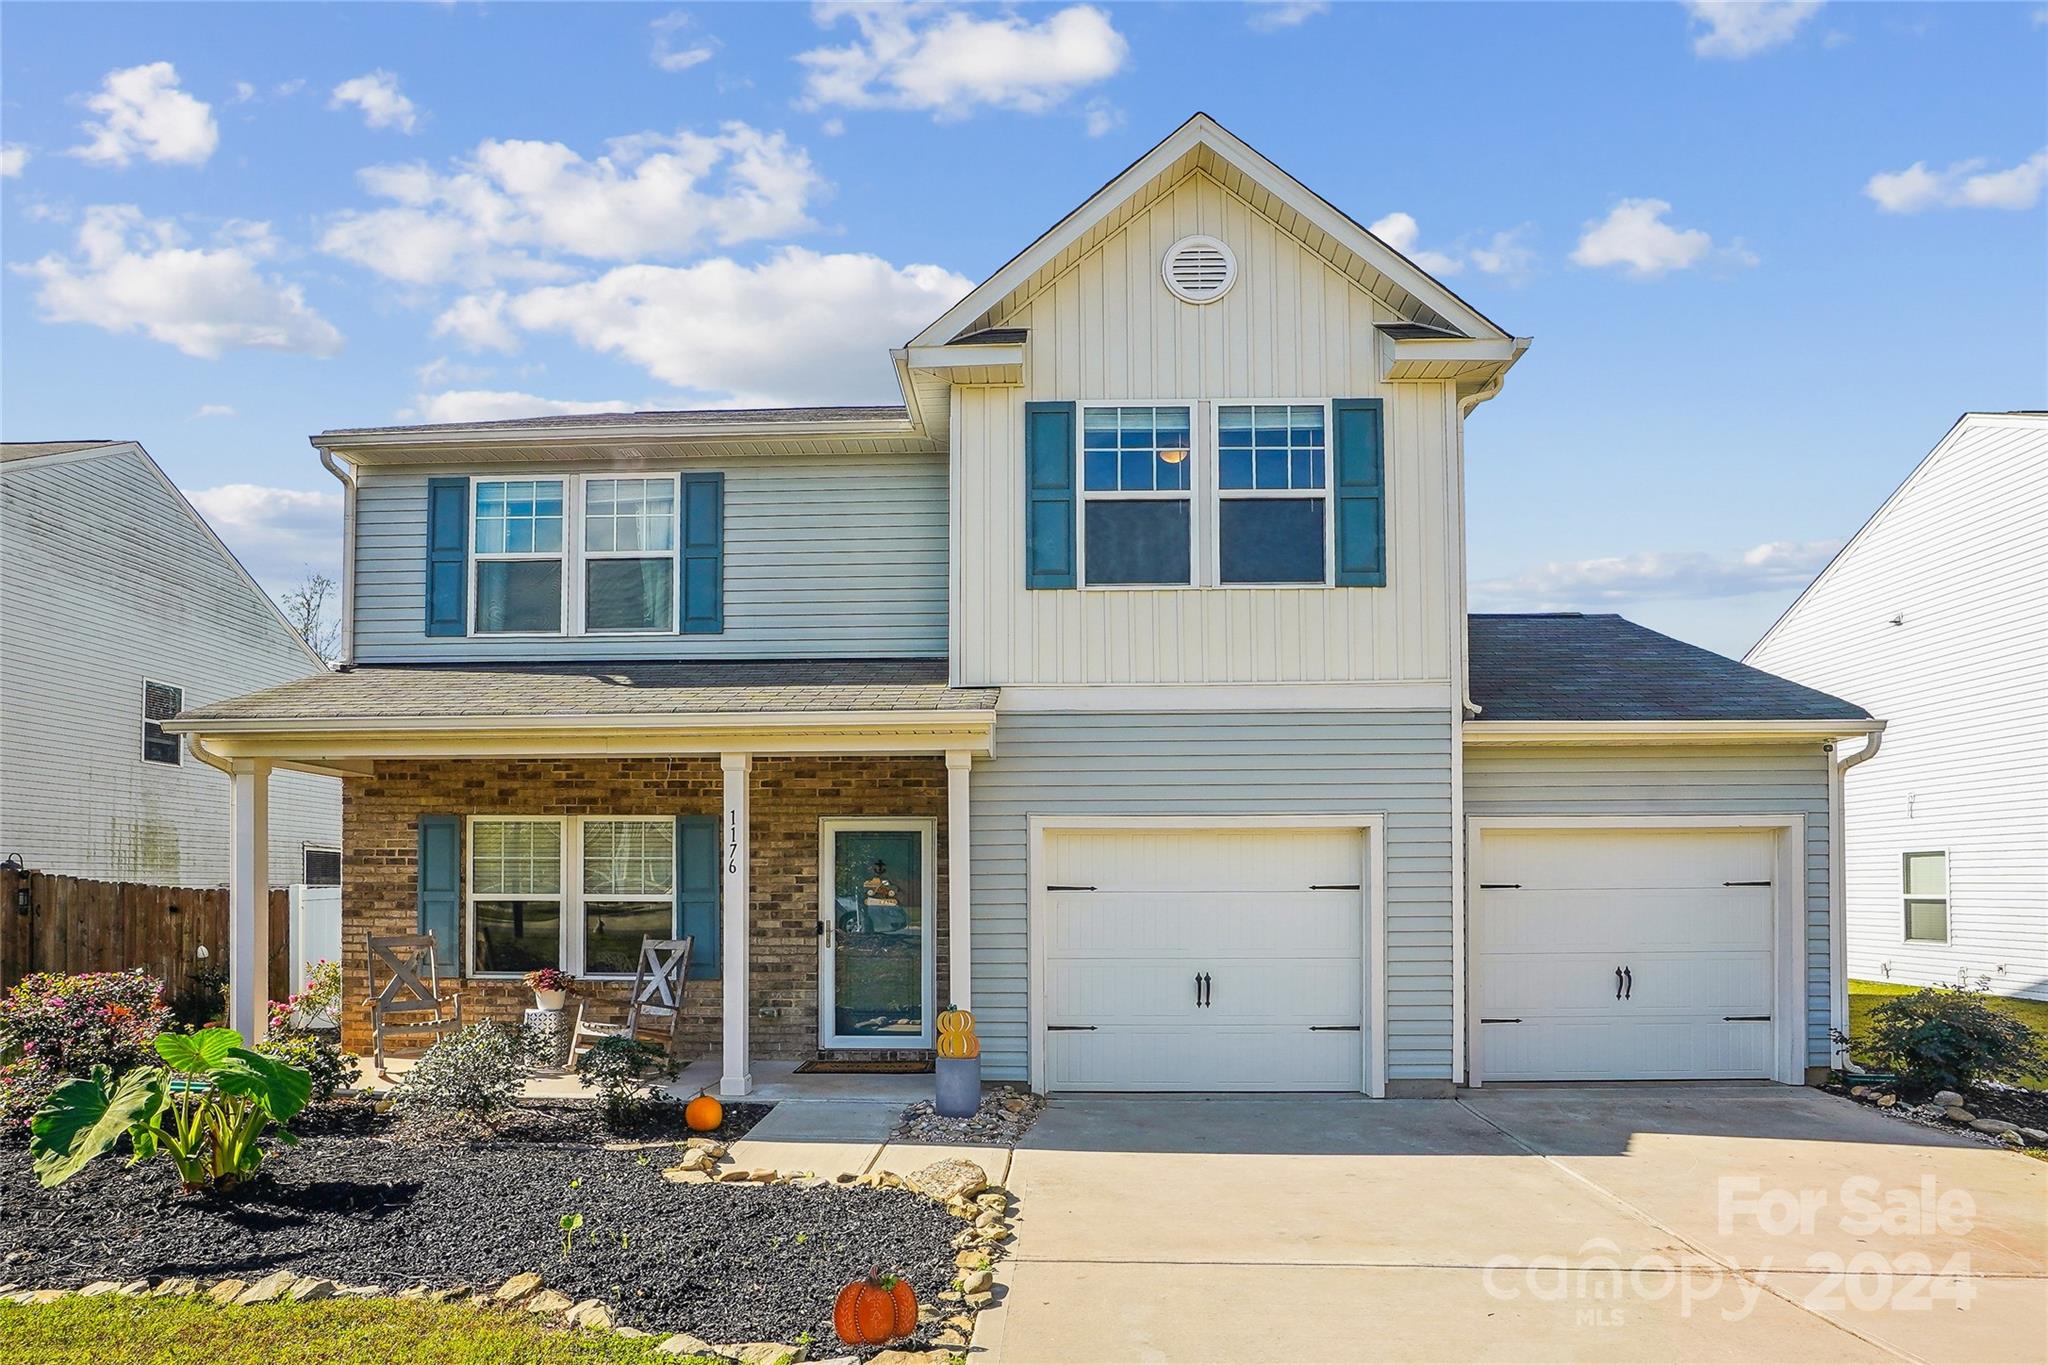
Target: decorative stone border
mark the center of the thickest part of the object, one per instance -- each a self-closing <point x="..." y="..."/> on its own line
<point x="1947" y="1108"/>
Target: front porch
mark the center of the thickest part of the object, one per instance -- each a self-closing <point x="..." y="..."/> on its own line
<point x="816" y="853"/>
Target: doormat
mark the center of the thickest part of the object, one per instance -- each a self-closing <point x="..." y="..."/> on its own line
<point x="827" y="1066"/>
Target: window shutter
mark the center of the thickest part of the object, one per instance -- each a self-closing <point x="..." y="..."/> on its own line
<point x="703" y="595"/>
<point x="697" y="892"/>
<point x="1048" y="495"/>
<point x="1361" y="505"/>
<point x="440" y="888"/>
<point x="447" y="556"/>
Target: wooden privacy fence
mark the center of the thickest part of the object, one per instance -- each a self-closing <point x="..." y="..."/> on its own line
<point x="75" y="925"/>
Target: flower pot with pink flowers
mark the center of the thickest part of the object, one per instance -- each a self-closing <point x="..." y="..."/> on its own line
<point x="550" y="986"/>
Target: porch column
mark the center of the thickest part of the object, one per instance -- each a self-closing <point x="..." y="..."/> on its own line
<point x="737" y="840"/>
<point x="959" y="876"/>
<point x="249" y="898"/>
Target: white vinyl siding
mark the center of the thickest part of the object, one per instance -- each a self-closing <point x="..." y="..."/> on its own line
<point x="1705" y="779"/>
<point x="1223" y="763"/>
<point x="92" y="606"/>
<point x="825" y="557"/>
<point x="1104" y="328"/>
<point x="1959" y="557"/>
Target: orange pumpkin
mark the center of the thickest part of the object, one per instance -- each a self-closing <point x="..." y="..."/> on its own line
<point x="875" y="1311"/>
<point x="703" y="1114"/>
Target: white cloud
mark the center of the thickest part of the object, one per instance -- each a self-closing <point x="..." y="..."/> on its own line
<point x="130" y="273"/>
<point x="675" y="52"/>
<point x="1635" y="237"/>
<point x="1965" y="185"/>
<point x="1504" y="253"/>
<point x="1400" y="231"/>
<point x="1569" y="584"/>
<point x="144" y="113"/>
<point x="1507" y="253"/>
<point x="215" y="410"/>
<point x="13" y="160"/>
<point x="508" y="208"/>
<point x="478" y="322"/>
<point x="946" y="60"/>
<point x="1269" y="15"/>
<point x="376" y="93"/>
<point x="799" y="327"/>
<point x="492" y="405"/>
<point x="277" y="533"/>
<point x="441" y="372"/>
<point x="1103" y="117"/>
<point x="244" y="93"/>
<point x="1737" y="29"/>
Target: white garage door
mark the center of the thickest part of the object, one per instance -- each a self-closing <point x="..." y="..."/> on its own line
<point x="1208" y="959"/>
<point x="1624" y="955"/>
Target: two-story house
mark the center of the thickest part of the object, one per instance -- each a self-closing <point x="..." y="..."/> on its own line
<point x="1118" y="685"/>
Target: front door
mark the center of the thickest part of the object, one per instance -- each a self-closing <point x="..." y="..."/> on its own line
<point x="877" y="879"/>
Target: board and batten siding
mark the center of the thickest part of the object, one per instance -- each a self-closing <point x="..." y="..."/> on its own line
<point x="1222" y="763"/>
<point x="1959" y="557"/>
<point x="1705" y="779"/>
<point x="825" y="557"/>
<point x="108" y="581"/>
<point x="1292" y="328"/>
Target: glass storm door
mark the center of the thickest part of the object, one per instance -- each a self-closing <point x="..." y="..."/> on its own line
<point x="876" y="950"/>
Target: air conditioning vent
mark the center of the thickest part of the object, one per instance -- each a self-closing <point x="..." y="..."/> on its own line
<point x="1199" y="269"/>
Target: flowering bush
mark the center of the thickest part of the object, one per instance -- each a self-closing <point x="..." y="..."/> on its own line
<point x="548" y="979"/>
<point x="320" y="1000"/>
<point x="470" y="1076"/>
<point x="55" y="1027"/>
<point x="316" y="1054"/>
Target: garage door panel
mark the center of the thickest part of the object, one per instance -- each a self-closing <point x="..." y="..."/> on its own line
<point x="1652" y="1050"/>
<point x="1202" y="924"/>
<point x="1625" y="859"/>
<point x="1205" y="859"/>
<point x="1563" y="985"/>
<point x="1221" y="1058"/>
<point x="1624" y="922"/>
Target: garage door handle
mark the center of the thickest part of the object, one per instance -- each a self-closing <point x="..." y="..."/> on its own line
<point x="1629" y="990"/>
<point x="1617" y="983"/>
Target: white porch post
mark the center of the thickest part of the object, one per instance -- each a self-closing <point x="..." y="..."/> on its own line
<point x="737" y="843"/>
<point x="249" y="898"/>
<point x="959" y="877"/>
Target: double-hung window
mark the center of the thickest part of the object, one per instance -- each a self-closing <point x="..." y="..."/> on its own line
<point x="629" y="889"/>
<point x="1924" y="880"/>
<point x="520" y="569"/>
<point x="160" y="702"/>
<point x="515" y="893"/>
<point x="629" y="554"/>
<point x="575" y="892"/>
<point x="1137" y="519"/>
<point x="1272" y="481"/>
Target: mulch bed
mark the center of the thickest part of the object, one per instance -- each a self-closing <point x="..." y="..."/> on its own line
<point x="727" y="1263"/>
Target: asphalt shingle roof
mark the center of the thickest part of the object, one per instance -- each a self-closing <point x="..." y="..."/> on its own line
<point x="682" y="419"/>
<point x="1569" y="666"/>
<point x="514" y="691"/>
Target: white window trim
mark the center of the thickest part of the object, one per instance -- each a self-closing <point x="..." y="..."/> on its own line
<point x="573" y="556"/>
<point x="1218" y="494"/>
<point x="580" y="598"/>
<point x="473" y="570"/>
<point x="927" y="830"/>
<point x="569" y="936"/>
<point x="579" y="823"/>
<point x="1906" y="899"/>
<point x="142" y="737"/>
<point x="1192" y="494"/>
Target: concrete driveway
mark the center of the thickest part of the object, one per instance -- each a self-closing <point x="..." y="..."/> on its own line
<point x="1585" y="1224"/>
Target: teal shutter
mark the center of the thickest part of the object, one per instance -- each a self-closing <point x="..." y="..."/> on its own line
<point x="703" y="594"/>
<point x="447" y="556"/>
<point x="440" y="888"/>
<point x="697" y="892"/>
<point x="1049" y="495"/>
<point x="1361" y="494"/>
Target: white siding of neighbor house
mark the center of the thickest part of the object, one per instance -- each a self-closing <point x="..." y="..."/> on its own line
<point x="1223" y="763"/>
<point x="1703" y="779"/>
<point x="1960" y="552"/>
<point x="107" y="581"/>
<point x="1293" y="327"/>
<point x="825" y="557"/>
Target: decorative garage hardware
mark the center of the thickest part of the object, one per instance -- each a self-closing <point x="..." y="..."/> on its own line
<point x="1333" y="886"/>
<point x="1745" y="883"/>
<point x="1745" y="1018"/>
<point x="1500" y="1021"/>
<point x="1073" y="888"/>
<point x="1070" y="1028"/>
<point x="1624" y="983"/>
<point x="1333" y="1028"/>
<point x="1500" y="886"/>
<point x="1202" y="986"/>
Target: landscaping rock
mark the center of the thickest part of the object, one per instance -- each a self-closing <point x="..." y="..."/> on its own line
<point x="734" y="1176"/>
<point x="980" y="1300"/>
<point x="2012" y="1139"/>
<point x="43" y="1296"/>
<point x="711" y="1147"/>
<point x="135" y="1288"/>
<point x="2037" y="1136"/>
<point x="310" y="1289"/>
<point x="445" y="1295"/>
<point x="683" y="1344"/>
<point x="177" y="1287"/>
<point x="591" y="1313"/>
<point x="940" y="1357"/>
<point x="949" y="1337"/>
<point x="962" y="1322"/>
<point x="762" y="1353"/>
<point x="268" y="1289"/>
<point x="1994" y="1126"/>
<point x="1955" y="1113"/>
<point x="988" y="1218"/>
<point x="1948" y="1099"/>
<point x="1887" y="1101"/>
<point x="971" y="1260"/>
<point x="549" y="1301"/>
<point x="950" y="1179"/>
<point x="976" y="1281"/>
<point x="359" y="1291"/>
<point x="517" y="1288"/>
<point x="227" y="1291"/>
<point x="1000" y="1121"/>
<point x="99" y="1287"/>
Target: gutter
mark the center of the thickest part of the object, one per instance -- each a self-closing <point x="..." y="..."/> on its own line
<point x="1838" y="957"/>
<point x="982" y="719"/>
<point x="348" y="554"/>
<point x="473" y="438"/>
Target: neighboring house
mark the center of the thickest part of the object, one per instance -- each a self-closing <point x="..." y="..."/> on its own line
<point x="119" y="607"/>
<point x="1936" y="614"/>
<point x="1114" y="685"/>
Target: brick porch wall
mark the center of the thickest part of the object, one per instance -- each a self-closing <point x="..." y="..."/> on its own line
<point x="380" y="843"/>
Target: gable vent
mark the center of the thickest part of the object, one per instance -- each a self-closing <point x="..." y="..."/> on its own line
<point x="1199" y="269"/>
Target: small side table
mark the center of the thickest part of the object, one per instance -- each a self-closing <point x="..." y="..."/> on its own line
<point x="549" y="1031"/>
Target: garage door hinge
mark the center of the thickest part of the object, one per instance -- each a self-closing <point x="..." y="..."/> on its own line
<point x="1333" y="886"/>
<point x="1745" y="1018"/>
<point x="1070" y="888"/>
<point x="1500" y="1021"/>
<point x="1070" y="1028"/>
<point x="1745" y="883"/>
<point x="1500" y="886"/>
<point x="1333" y="1028"/>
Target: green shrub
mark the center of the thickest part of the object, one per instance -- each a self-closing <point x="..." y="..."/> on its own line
<point x="1949" y="1038"/>
<point x="206" y="1109"/>
<point x="618" y="1068"/>
<point x="473" y="1075"/>
<point x="56" y="1027"/>
<point x="316" y="1054"/>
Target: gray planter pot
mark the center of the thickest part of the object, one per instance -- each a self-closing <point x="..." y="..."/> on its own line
<point x="959" y="1086"/>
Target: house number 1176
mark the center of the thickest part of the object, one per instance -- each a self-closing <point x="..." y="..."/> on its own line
<point x="732" y="846"/>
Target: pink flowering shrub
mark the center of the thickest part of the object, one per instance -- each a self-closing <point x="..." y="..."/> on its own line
<point x="54" y="1027"/>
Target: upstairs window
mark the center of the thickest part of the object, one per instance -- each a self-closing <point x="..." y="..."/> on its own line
<point x="1137" y="523"/>
<point x="519" y="557"/>
<point x="629" y="554"/>
<point x="160" y="702"/>
<point x="322" y="866"/>
<point x="1272" y="477"/>
<point x="1924" y="879"/>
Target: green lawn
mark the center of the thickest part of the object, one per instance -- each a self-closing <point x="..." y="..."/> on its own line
<point x="137" y="1331"/>
<point x="1863" y="995"/>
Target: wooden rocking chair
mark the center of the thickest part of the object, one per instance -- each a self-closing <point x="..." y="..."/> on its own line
<point x="410" y="1000"/>
<point x="655" y="1006"/>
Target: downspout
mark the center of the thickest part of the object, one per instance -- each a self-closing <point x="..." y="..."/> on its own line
<point x="348" y="555"/>
<point x="1838" y="956"/>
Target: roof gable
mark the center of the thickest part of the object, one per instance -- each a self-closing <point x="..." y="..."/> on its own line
<point x="1203" y="145"/>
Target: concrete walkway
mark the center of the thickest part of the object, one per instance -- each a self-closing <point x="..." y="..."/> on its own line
<point x="1586" y="1224"/>
<point x="827" y="1138"/>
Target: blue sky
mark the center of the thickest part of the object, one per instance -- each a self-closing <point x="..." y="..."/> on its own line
<point x="1768" y="253"/>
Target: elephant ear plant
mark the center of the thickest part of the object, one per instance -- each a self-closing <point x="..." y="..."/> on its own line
<point x="205" y="1109"/>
